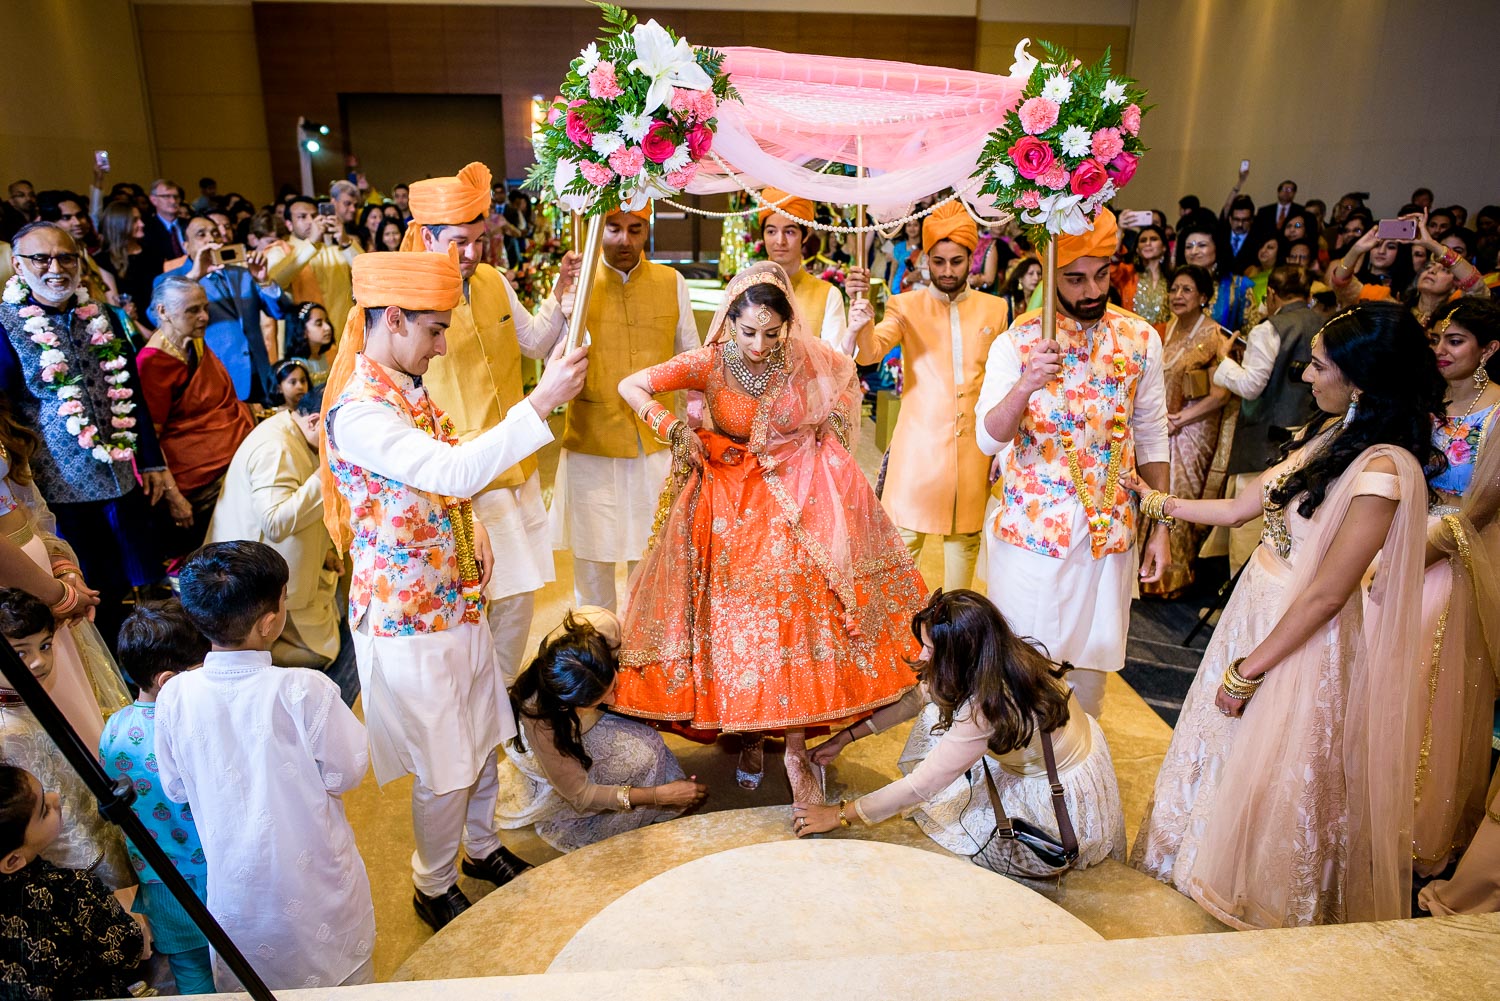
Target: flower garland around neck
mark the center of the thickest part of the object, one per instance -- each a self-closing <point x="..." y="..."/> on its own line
<point x="72" y="401"/>
<point x="1100" y="516"/>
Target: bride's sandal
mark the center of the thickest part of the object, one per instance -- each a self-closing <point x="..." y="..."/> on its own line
<point x="751" y="767"/>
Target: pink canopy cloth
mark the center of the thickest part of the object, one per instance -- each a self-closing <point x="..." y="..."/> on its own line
<point x="916" y="129"/>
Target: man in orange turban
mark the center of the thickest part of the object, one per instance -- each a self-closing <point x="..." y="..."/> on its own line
<point x="937" y="479"/>
<point x="612" y="468"/>
<point x="480" y="379"/>
<point x="435" y="698"/>
<point x="784" y="230"/>
<point x="1077" y="413"/>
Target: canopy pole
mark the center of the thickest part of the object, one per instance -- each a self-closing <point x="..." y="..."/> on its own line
<point x="1049" y="292"/>
<point x="593" y="244"/>
<point x="861" y="256"/>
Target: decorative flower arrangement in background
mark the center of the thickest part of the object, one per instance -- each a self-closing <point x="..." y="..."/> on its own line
<point x="1068" y="147"/>
<point x="636" y="116"/>
<point x="118" y="444"/>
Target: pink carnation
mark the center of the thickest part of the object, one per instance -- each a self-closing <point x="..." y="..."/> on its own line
<point x="1038" y="115"/>
<point x="596" y="173"/>
<point x="86" y="436"/>
<point x="86" y="312"/>
<point x="121" y="454"/>
<point x="1108" y="145"/>
<point x="627" y="160"/>
<point x="699" y="140"/>
<point x="1122" y="168"/>
<point x="602" y="82"/>
<point x="1029" y="199"/>
<point x="27" y="312"/>
<point x="1088" y="178"/>
<point x="119" y="394"/>
<point x="50" y="372"/>
<point x="99" y="337"/>
<point x="70" y="407"/>
<point x="1130" y="119"/>
<point x="578" y="131"/>
<point x="45" y="338"/>
<point x="1054" y="177"/>
<point x="122" y="422"/>
<point x="681" y="178"/>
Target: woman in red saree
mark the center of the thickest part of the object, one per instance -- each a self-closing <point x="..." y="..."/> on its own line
<point x="776" y="594"/>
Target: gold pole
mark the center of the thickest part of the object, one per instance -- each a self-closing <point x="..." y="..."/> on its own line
<point x="593" y="244"/>
<point x="861" y="258"/>
<point x="575" y="235"/>
<point x="1049" y="292"/>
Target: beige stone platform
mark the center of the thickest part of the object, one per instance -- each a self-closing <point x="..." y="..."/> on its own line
<point x="750" y="904"/>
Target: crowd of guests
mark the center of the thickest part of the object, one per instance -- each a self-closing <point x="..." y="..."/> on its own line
<point x="1291" y="342"/>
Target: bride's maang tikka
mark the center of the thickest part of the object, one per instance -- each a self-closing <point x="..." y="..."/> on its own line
<point x="764" y="316"/>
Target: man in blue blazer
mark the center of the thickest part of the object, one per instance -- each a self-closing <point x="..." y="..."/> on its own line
<point x="237" y="295"/>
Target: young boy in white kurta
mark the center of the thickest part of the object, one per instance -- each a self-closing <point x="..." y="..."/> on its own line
<point x="265" y="754"/>
<point x="435" y="700"/>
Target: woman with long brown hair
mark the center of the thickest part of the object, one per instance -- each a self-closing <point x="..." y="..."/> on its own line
<point x="985" y="693"/>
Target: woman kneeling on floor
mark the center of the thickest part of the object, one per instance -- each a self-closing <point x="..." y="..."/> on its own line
<point x="579" y="773"/>
<point x="986" y="698"/>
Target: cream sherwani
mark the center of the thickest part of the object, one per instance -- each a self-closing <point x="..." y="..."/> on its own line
<point x="317" y="272"/>
<point x="273" y="494"/>
<point x="822" y="307"/>
<point x="610" y="477"/>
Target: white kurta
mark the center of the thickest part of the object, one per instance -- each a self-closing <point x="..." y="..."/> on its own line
<point x="264" y="754"/>
<point x="1077" y="607"/>
<point x="435" y="703"/>
<point x="602" y="506"/>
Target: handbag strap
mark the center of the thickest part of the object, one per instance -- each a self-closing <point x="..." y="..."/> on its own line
<point x="1005" y="828"/>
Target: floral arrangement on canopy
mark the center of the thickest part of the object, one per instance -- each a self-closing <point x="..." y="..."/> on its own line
<point x="1068" y="147"/>
<point x="636" y="115"/>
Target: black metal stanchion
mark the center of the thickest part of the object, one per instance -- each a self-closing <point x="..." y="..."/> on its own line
<point x="115" y="799"/>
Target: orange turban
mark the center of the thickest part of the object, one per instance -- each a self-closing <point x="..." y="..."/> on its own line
<point x="1101" y="242"/>
<point x="949" y="221"/>
<point x="801" y="208"/>
<point x="414" y="281"/>
<point x="642" y="213"/>
<point x="451" y="201"/>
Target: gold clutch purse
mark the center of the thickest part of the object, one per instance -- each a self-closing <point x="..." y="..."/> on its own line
<point x="1195" y="384"/>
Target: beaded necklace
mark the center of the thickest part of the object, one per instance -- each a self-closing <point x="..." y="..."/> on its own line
<point x="1101" y="517"/>
<point x="755" y="385"/>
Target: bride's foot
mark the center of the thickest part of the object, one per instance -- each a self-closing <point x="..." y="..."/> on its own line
<point x="751" y="767"/>
<point x="806" y="779"/>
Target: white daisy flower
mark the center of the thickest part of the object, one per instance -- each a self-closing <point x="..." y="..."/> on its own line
<point x="1113" y="92"/>
<point x="680" y="158"/>
<point x="1076" y="141"/>
<point x="1058" y="88"/>
<point x="1004" y="174"/>
<point x="590" y="55"/>
<point x="635" y="127"/>
<point x="606" y="143"/>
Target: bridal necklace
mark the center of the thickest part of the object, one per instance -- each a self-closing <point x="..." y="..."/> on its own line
<point x="753" y="384"/>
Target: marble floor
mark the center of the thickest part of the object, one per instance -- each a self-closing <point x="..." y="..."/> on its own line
<point x="519" y="935"/>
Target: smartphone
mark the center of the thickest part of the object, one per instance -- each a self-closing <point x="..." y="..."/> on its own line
<point x="1136" y="218"/>
<point x="1397" y="229"/>
<point x="1244" y="166"/>
<point x="101" y="159"/>
<point x="325" y="208"/>
<point x="214" y="260"/>
<point x="232" y="253"/>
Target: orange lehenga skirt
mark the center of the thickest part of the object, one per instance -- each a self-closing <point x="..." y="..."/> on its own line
<point x="733" y="622"/>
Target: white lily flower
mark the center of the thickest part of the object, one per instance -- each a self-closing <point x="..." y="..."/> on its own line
<point x="566" y="174"/>
<point x="1025" y="61"/>
<point x="1058" y="88"/>
<point x="1113" y="92"/>
<point x="666" y="64"/>
<point x="590" y="55"/>
<point x="1060" y="213"/>
<point x="638" y="197"/>
<point x="635" y="126"/>
<point x="606" y="143"/>
<point x="1076" y="141"/>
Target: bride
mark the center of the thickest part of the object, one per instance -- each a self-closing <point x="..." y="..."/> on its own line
<point x="777" y="593"/>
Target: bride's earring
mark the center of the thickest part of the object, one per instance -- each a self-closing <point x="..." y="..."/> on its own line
<point x="1353" y="407"/>
<point x="1481" y="378"/>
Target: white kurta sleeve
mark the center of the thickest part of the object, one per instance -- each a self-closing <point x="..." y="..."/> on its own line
<point x="1002" y="370"/>
<point x="1148" y="418"/>
<point x="835" y="320"/>
<point x="537" y="333"/>
<point x="335" y="735"/>
<point x="1248" y="379"/>
<point x="955" y="753"/>
<point x="373" y="436"/>
<point x="687" y="324"/>
<point x="167" y="772"/>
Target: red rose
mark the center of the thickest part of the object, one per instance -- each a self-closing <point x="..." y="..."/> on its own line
<point x="578" y="131"/>
<point x="1122" y="168"/>
<point x="700" y="140"/>
<point x="1088" y="177"/>
<point x="658" y="144"/>
<point x="1032" y="157"/>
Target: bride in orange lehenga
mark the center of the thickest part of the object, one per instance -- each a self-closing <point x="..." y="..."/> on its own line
<point x="777" y="594"/>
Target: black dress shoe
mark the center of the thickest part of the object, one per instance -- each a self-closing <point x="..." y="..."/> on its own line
<point x="499" y="868"/>
<point x="438" y="911"/>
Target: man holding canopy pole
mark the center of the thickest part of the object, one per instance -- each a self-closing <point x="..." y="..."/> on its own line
<point x="1073" y="415"/>
<point x="611" y="471"/>
<point x="820" y="303"/>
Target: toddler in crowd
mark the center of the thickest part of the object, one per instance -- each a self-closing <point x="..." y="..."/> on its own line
<point x="264" y="754"/>
<point x="65" y="935"/>
<point x="157" y="642"/>
<point x="86" y="841"/>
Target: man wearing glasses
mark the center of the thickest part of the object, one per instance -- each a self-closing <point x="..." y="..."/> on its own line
<point x="65" y="366"/>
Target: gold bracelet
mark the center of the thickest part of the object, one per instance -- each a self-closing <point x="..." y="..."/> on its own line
<point x="624" y="797"/>
<point x="843" y="820"/>
<point x="1237" y="685"/>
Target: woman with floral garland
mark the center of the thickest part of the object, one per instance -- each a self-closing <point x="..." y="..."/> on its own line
<point x="777" y="594"/>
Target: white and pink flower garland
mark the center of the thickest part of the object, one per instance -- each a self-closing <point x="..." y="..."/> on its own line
<point x="1070" y="145"/>
<point x="636" y="115"/>
<point x="72" y="402"/>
